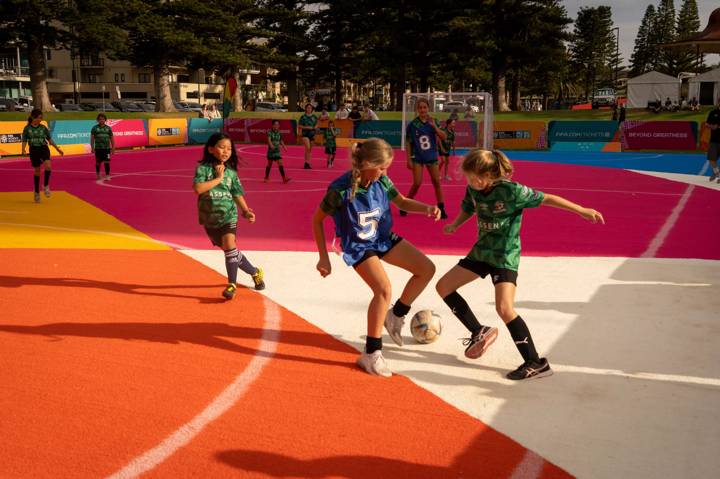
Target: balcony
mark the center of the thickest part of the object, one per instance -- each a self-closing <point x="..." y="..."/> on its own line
<point x="91" y="62"/>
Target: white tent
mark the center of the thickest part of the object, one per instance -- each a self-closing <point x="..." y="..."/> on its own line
<point x="705" y="87"/>
<point x="650" y="87"/>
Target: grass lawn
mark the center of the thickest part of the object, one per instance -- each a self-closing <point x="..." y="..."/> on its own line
<point x="634" y="114"/>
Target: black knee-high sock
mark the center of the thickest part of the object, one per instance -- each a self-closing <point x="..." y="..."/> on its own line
<point x="400" y="309"/>
<point x="267" y="172"/>
<point x="441" y="205"/>
<point x="523" y="340"/>
<point x="36" y="181"/>
<point x="47" y="177"/>
<point x="373" y="344"/>
<point x="97" y="167"/>
<point x="107" y="167"/>
<point x="231" y="264"/>
<point x="462" y="311"/>
<point x="282" y="171"/>
<point x="245" y="264"/>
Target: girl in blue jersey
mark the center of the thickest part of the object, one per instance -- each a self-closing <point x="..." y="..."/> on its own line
<point x="422" y="136"/>
<point x="498" y="204"/>
<point x="359" y="203"/>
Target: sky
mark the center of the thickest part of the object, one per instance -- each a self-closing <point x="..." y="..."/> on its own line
<point x="627" y="15"/>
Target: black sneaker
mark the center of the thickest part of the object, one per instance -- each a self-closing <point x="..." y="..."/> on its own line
<point x="229" y="291"/>
<point x="307" y="166"/>
<point x="480" y="342"/>
<point x="403" y="213"/>
<point x="530" y="370"/>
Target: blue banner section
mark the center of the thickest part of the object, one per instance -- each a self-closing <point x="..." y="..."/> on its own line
<point x="200" y="129"/>
<point x="71" y="132"/>
<point x="582" y="131"/>
<point x="388" y="130"/>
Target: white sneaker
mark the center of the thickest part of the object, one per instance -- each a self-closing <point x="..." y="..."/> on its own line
<point x="37" y="197"/>
<point x="374" y="364"/>
<point x="393" y="326"/>
<point x="47" y="192"/>
<point x="714" y="176"/>
<point x="99" y="177"/>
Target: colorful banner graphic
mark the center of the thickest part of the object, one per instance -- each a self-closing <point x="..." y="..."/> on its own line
<point x="704" y="137"/>
<point x="256" y="130"/>
<point x="659" y="135"/>
<point x="167" y="131"/>
<point x="228" y="94"/>
<point x="519" y="135"/>
<point x="235" y="129"/>
<point x="11" y="137"/>
<point x="129" y="133"/>
<point x="582" y="131"/>
<point x="343" y="129"/>
<point x="466" y="134"/>
<point x="388" y="130"/>
<point x="200" y="129"/>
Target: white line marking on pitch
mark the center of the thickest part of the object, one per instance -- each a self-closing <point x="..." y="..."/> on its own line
<point x="219" y="406"/>
<point x="673" y="378"/>
<point x="530" y="467"/>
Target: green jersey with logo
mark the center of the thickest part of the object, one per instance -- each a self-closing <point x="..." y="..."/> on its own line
<point x="308" y="120"/>
<point x="273" y="152"/>
<point x="36" y="135"/>
<point x="449" y="142"/>
<point x="499" y="215"/>
<point x="330" y="135"/>
<point x="102" y="135"/>
<point x="217" y="207"/>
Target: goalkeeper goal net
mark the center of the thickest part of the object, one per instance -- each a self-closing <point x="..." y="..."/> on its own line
<point x="472" y="110"/>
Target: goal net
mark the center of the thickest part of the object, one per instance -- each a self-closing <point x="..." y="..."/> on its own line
<point x="472" y="110"/>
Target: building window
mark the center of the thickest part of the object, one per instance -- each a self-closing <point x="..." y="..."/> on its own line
<point x="183" y="78"/>
<point x="93" y="78"/>
<point x="48" y="55"/>
<point x="117" y="77"/>
<point x="143" y="78"/>
<point x="122" y="77"/>
<point x="51" y="72"/>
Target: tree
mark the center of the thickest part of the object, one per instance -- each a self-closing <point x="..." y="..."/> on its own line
<point x="641" y="60"/>
<point x="593" y="46"/>
<point x="664" y="60"/>
<point x="688" y="23"/>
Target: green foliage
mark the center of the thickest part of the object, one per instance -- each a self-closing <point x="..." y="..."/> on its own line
<point x="593" y="47"/>
<point x="642" y="57"/>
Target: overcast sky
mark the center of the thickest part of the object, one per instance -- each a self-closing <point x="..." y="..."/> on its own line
<point x="627" y="14"/>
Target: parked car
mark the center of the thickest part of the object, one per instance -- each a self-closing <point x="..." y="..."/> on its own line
<point x="128" y="107"/>
<point x="179" y="106"/>
<point x="190" y="106"/>
<point x="269" y="106"/>
<point x="106" y="107"/>
<point x="147" y="106"/>
<point x="89" y="106"/>
<point x="68" y="107"/>
<point x="12" y="104"/>
<point x="603" y="97"/>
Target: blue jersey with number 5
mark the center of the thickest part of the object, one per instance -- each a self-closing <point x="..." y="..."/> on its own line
<point x="365" y="222"/>
<point x="423" y="138"/>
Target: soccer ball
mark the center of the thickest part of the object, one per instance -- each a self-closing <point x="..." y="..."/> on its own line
<point x="425" y="326"/>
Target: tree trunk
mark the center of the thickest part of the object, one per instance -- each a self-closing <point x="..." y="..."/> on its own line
<point x="163" y="99"/>
<point x="499" y="92"/>
<point x="292" y="92"/>
<point x="38" y="75"/>
<point x="237" y="100"/>
<point x="515" y="93"/>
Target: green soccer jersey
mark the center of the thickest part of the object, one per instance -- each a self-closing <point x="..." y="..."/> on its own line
<point x="217" y="207"/>
<point x="308" y="120"/>
<point x="499" y="215"/>
<point x="102" y="135"/>
<point x="330" y="135"/>
<point x="36" y="135"/>
<point x="275" y="137"/>
<point x="449" y="142"/>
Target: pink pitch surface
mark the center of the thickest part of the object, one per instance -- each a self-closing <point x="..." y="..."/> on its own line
<point x="151" y="191"/>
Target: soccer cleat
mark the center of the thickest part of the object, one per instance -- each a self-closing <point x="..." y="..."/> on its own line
<point x="107" y="177"/>
<point x="229" y="291"/>
<point x="530" y="370"/>
<point x="258" y="279"/>
<point x="47" y="192"/>
<point x="37" y="197"/>
<point x="374" y="364"/>
<point x="403" y="213"/>
<point x="714" y="176"/>
<point x="286" y="180"/>
<point x="480" y="342"/>
<point x="99" y="177"/>
<point x="393" y="325"/>
<point x="307" y="166"/>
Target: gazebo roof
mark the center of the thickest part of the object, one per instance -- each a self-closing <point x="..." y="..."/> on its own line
<point x="707" y="41"/>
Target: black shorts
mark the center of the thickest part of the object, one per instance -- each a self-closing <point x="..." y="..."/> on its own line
<point x="216" y="234"/>
<point x="330" y="150"/>
<point x="38" y="154"/>
<point x="394" y="240"/>
<point x="309" y="134"/>
<point x="102" y="154"/>
<point x="497" y="275"/>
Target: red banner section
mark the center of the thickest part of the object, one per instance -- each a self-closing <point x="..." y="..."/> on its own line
<point x="129" y="133"/>
<point x="465" y="133"/>
<point x="659" y="135"/>
<point x="249" y="130"/>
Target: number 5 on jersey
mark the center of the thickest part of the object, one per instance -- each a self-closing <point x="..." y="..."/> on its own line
<point x="369" y="222"/>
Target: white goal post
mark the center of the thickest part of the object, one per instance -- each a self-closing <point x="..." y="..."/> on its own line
<point x="473" y="110"/>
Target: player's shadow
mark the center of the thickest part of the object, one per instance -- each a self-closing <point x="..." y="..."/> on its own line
<point x="212" y="335"/>
<point x="165" y="290"/>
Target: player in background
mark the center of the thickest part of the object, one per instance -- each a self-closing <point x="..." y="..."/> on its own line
<point x="102" y="143"/>
<point x="308" y="124"/>
<point x="447" y="147"/>
<point x="330" y="143"/>
<point x="275" y="142"/>
<point x="38" y="136"/>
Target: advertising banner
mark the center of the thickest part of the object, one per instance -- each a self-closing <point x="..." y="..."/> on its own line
<point x="129" y="133"/>
<point x="235" y="129"/>
<point x="167" y="131"/>
<point x="704" y="137"/>
<point x="256" y="130"/>
<point x="343" y="129"/>
<point x="466" y="133"/>
<point x="582" y="131"/>
<point x="388" y="130"/>
<point x="200" y="129"/>
<point x="659" y="135"/>
<point x="519" y="135"/>
<point x="11" y="137"/>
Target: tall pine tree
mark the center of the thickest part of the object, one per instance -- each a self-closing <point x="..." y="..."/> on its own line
<point x="664" y="31"/>
<point x="592" y="47"/>
<point x="688" y="23"/>
<point x="641" y="60"/>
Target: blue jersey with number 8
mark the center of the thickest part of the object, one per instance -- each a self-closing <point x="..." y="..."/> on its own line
<point x="423" y="138"/>
<point x="364" y="223"/>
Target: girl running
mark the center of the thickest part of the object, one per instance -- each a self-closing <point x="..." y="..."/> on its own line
<point x="422" y="140"/>
<point x="330" y="145"/>
<point x="308" y="124"/>
<point x="498" y="204"/>
<point x="447" y="147"/>
<point x="359" y="202"/>
<point x="273" y="154"/>
<point x="220" y="194"/>
<point x="102" y="143"/>
<point x="39" y="137"/>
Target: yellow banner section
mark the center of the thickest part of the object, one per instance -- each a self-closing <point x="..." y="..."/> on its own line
<point x="344" y="129"/>
<point x="704" y="136"/>
<point x="519" y="135"/>
<point x="167" y="131"/>
<point x="11" y="137"/>
<point x="67" y="222"/>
